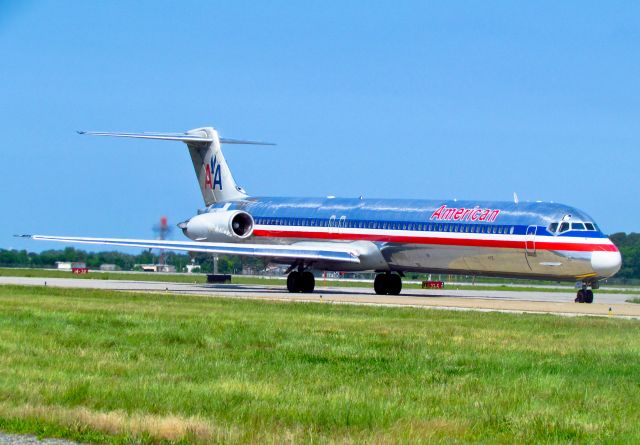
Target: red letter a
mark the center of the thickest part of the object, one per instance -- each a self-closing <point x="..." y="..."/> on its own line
<point x="207" y="177"/>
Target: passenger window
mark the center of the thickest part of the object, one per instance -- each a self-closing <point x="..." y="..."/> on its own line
<point x="511" y="230"/>
<point x="589" y="226"/>
<point x="577" y="226"/>
<point x="564" y="227"/>
<point x="553" y="227"/>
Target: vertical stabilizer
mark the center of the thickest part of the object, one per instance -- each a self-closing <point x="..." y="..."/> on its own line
<point x="214" y="177"/>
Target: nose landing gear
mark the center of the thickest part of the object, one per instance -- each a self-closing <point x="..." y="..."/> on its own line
<point x="585" y="295"/>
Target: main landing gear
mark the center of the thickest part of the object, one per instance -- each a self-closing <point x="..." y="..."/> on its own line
<point x="387" y="284"/>
<point x="301" y="281"/>
<point x="585" y="295"/>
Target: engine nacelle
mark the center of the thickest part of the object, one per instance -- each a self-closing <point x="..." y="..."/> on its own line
<point x="221" y="226"/>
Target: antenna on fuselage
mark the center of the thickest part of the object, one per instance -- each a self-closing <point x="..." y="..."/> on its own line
<point x="515" y="198"/>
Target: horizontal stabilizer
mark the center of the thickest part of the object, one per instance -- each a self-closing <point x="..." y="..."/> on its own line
<point x="163" y="136"/>
<point x="243" y="142"/>
<point x="183" y="137"/>
<point x="289" y="252"/>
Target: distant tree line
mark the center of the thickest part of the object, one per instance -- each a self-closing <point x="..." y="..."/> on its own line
<point x="628" y="243"/>
<point x="124" y="261"/>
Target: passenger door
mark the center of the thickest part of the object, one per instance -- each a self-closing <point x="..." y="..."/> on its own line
<point x="530" y="241"/>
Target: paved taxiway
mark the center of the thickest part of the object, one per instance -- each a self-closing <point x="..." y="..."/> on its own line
<point x="481" y="299"/>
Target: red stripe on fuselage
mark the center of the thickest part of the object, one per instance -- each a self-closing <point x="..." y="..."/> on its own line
<point x="407" y="239"/>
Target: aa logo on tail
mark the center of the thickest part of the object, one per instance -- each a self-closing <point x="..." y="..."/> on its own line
<point x="214" y="168"/>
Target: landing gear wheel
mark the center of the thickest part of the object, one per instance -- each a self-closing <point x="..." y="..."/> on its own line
<point x="293" y="282"/>
<point x="580" y="296"/>
<point x="380" y="284"/>
<point x="394" y="284"/>
<point x="588" y="296"/>
<point x="387" y="284"/>
<point x="307" y="282"/>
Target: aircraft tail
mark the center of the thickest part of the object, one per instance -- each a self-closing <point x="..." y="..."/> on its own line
<point x="213" y="173"/>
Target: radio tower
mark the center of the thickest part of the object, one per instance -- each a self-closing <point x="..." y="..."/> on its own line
<point x="162" y="231"/>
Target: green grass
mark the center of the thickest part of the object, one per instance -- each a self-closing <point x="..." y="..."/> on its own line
<point x="634" y="300"/>
<point x="239" y="279"/>
<point x="116" y="367"/>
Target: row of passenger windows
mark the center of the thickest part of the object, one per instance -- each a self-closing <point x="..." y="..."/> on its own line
<point x="566" y="226"/>
<point x="343" y="223"/>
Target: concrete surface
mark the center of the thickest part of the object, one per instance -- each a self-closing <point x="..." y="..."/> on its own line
<point x="481" y="299"/>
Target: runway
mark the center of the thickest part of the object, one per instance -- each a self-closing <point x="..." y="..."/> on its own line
<point x="560" y="303"/>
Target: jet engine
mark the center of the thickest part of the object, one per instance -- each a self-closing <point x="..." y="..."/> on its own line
<point x="221" y="226"/>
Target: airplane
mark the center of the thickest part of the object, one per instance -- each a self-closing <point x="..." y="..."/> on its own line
<point x="391" y="237"/>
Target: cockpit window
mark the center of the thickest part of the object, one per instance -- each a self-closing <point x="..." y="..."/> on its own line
<point x="553" y="227"/>
<point x="590" y="226"/>
<point x="564" y="227"/>
<point x="577" y="226"/>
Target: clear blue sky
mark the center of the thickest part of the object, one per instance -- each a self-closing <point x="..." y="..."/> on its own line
<point x="460" y="100"/>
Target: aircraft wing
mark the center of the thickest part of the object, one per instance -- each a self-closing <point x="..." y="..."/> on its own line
<point x="304" y="252"/>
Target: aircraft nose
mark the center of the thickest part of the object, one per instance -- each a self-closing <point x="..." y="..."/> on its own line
<point x="606" y="264"/>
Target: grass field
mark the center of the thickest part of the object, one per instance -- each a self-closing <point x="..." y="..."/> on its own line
<point x="114" y="367"/>
<point x="239" y="279"/>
